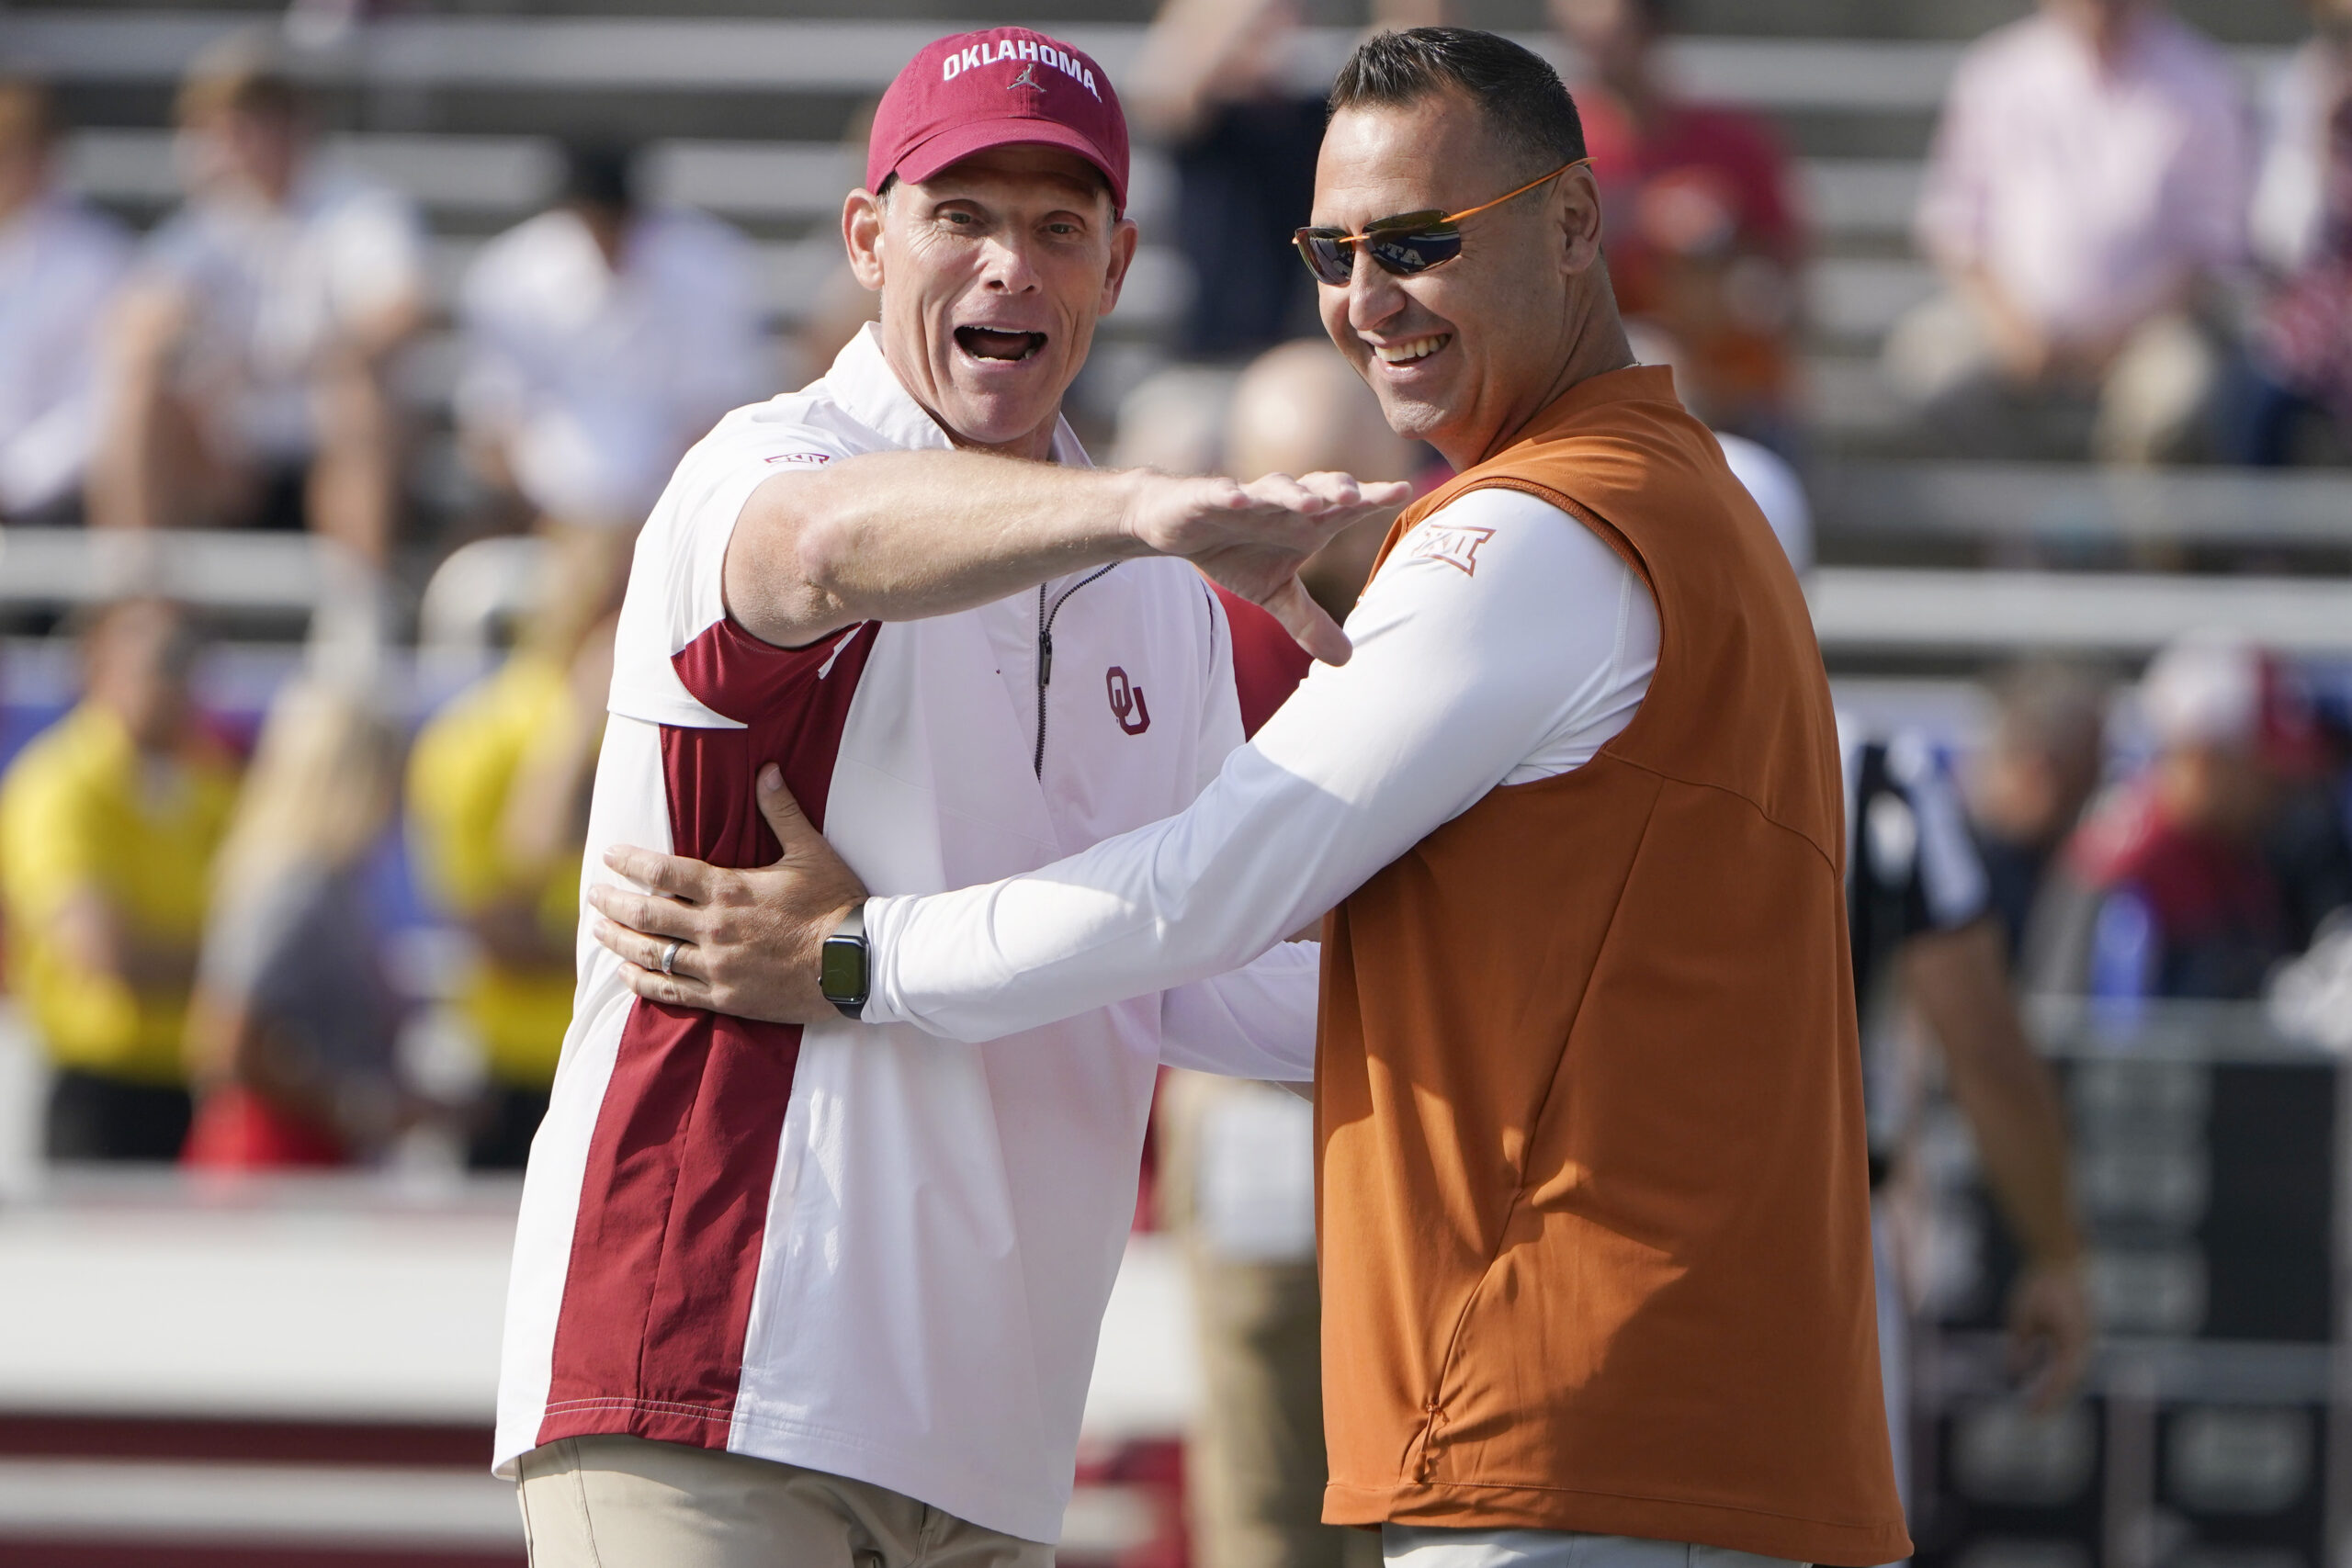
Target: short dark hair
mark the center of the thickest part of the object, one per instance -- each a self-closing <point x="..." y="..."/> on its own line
<point x="601" y="175"/>
<point x="240" y="74"/>
<point x="1523" y="98"/>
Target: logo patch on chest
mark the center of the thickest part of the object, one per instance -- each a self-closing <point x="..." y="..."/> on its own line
<point x="1456" y="545"/>
<point x="1126" y="702"/>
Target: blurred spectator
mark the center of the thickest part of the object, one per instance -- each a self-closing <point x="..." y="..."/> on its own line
<point x="2165" y="890"/>
<point x="498" y="789"/>
<point x="2028" y="786"/>
<point x="1298" y="409"/>
<point x="2301" y="99"/>
<point x="1213" y="84"/>
<point x="2086" y="185"/>
<point x="2300" y="353"/>
<point x="1238" y="1176"/>
<point x="1210" y="85"/>
<point x="1236" y="1190"/>
<point x="1174" y="420"/>
<point x="1925" y="945"/>
<point x="253" y="344"/>
<point x="291" y="1033"/>
<point x="1703" y="229"/>
<point x="603" y="338"/>
<point x="2310" y="842"/>
<point x="840" y="306"/>
<point x="59" y="261"/>
<point x="1779" y="493"/>
<point x="839" y="309"/>
<point x="108" y="823"/>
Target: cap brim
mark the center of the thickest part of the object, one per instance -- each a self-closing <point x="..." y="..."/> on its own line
<point x="958" y="143"/>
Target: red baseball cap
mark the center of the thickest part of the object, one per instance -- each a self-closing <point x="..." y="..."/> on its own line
<point x="2215" y="689"/>
<point x="997" y="87"/>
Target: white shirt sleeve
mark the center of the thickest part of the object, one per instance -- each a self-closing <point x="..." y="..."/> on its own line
<point x="372" y="247"/>
<point x="1949" y="223"/>
<point x="1256" y="1022"/>
<point x="676" y="582"/>
<point x="1502" y="642"/>
<point x="1952" y="873"/>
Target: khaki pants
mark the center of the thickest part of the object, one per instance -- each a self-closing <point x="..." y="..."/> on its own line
<point x="628" y="1502"/>
<point x="2153" y="405"/>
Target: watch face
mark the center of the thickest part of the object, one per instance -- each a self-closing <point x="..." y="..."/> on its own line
<point x="841" y="969"/>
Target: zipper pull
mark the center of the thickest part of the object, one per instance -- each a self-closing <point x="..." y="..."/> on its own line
<point x="1044" y="657"/>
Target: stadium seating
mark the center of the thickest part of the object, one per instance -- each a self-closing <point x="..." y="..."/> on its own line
<point x="744" y="107"/>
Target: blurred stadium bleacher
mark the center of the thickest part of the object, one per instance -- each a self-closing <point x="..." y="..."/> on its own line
<point x="145" y="1409"/>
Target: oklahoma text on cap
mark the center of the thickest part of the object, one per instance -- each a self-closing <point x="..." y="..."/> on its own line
<point x="997" y="87"/>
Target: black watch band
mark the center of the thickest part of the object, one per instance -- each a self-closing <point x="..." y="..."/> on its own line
<point x="843" y="972"/>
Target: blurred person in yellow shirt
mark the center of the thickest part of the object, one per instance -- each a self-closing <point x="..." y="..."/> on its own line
<point x="498" y="811"/>
<point x="110" y="820"/>
<point x="292" y="1030"/>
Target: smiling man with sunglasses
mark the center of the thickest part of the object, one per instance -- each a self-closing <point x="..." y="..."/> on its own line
<point x="1592" y="1175"/>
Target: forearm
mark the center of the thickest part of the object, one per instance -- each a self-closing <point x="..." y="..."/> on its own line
<point x="1253" y="1023"/>
<point x="904" y="535"/>
<point x="1457" y="679"/>
<point x="1983" y="293"/>
<point x="1166" y="906"/>
<point x="513" y="937"/>
<point x="375" y="337"/>
<point x="1189" y="47"/>
<point x="100" y="942"/>
<point x="1999" y="1084"/>
<point x="546" y="816"/>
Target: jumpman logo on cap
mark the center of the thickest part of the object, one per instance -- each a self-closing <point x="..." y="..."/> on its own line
<point x="1028" y="78"/>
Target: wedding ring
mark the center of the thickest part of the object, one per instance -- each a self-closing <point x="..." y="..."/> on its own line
<point x="670" y="958"/>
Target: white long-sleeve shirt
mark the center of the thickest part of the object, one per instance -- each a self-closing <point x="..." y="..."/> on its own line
<point x="60" y="262"/>
<point x="1502" y="642"/>
<point x="597" y="379"/>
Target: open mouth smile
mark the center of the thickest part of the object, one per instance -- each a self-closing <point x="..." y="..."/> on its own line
<point x="1412" y="350"/>
<point x="994" y="343"/>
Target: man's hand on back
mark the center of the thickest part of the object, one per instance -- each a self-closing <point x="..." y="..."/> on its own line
<point x="1253" y="538"/>
<point x="748" y="941"/>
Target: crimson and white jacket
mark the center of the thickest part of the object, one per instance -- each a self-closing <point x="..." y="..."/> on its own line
<point x="864" y="1250"/>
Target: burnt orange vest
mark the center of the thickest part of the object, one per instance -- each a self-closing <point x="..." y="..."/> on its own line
<point x="1592" y="1190"/>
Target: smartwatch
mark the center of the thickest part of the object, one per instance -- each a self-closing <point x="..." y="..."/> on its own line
<point x="842" y="971"/>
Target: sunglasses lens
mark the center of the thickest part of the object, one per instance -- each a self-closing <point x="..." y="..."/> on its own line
<point x="1418" y="251"/>
<point x="1327" y="254"/>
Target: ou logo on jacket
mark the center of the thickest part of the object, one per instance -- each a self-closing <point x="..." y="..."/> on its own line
<point x="1126" y="702"/>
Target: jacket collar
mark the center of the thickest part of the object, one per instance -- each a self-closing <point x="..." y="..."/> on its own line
<point x="1635" y="383"/>
<point x="869" y="392"/>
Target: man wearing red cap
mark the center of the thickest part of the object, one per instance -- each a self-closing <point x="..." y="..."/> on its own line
<point x="2167" y="889"/>
<point x="829" y="1294"/>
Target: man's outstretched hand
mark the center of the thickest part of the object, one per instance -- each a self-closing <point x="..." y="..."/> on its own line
<point x="1253" y="538"/>
<point x="749" y="940"/>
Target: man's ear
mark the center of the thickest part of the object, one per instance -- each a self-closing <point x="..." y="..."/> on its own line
<point x="1579" y="209"/>
<point x="1123" y="256"/>
<point x="861" y="236"/>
